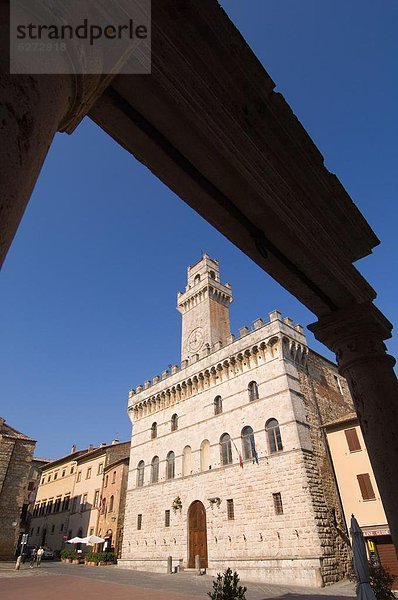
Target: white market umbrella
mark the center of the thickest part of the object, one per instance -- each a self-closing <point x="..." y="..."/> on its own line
<point x="90" y="540"/>
<point x="75" y="540"/>
<point x="361" y="565"/>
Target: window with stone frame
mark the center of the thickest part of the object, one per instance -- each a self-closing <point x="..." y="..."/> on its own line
<point x="96" y="499"/>
<point x="79" y="476"/>
<point x="88" y="474"/>
<point x="217" y="405"/>
<point x="49" y="507"/>
<point x="225" y="449"/>
<point x="52" y="528"/>
<point x="252" y="389"/>
<point x="111" y="502"/>
<point x="274" y="438"/>
<point x="167" y="518"/>
<point x="100" y="468"/>
<point x="103" y="506"/>
<point x="230" y="509"/>
<point x="170" y="465"/>
<point x="74" y="504"/>
<point x="140" y="473"/>
<point x="247" y="436"/>
<point x="278" y="506"/>
<point x="139" y="521"/>
<point x="63" y="473"/>
<point x="57" y="504"/>
<point x="174" y="422"/>
<point x="114" y="477"/>
<point x="154" y="430"/>
<point x="106" y="481"/>
<point x="65" y="503"/>
<point x="155" y="469"/>
<point x="91" y="531"/>
<point x="83" y="505"/>
<point x="72" y="470"/>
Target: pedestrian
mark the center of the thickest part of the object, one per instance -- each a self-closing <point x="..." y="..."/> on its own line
<point x="33" y="557"/>
<point x="40" y="553"/>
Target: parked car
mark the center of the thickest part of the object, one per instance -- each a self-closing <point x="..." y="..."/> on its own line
<point x="48" y="554"/>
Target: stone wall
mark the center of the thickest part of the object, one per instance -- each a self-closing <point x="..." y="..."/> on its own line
<point x="326" y="397"/>
<point x="16" y="451"/>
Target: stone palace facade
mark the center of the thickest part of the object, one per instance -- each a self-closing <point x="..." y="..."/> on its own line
<point x="229" y="460"/>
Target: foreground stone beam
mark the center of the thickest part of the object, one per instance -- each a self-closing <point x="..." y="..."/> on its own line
<point x="356" y="334"/>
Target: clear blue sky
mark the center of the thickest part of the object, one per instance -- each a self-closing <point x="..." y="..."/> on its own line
<point x="88" y="290"/>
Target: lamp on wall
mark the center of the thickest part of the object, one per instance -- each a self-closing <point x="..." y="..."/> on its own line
<point x="214" y="501"/>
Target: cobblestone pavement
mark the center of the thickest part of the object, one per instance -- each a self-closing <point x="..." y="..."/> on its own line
<point x="56" y="581"/>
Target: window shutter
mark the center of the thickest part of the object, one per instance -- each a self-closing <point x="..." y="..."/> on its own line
<point x="366" y="486"/>
<point x="352" y="440"/>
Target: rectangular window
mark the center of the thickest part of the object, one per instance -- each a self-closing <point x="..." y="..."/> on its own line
<point x="100" y="468"/>
<point x="38" y="530"/>
<point x="139" y="521"/>
<point x="72" y="470"/>
<point x="84" y="503"/>
<point x="79" y="476"/>
<point x="74" y="504"/>
<point x="55" y="475"/>
<point x="63" y="473"/>
<point x="106" y="481"/>
<point x="352" y="440"/>
<point x="114" y="477"/>
<point x="65" y="503"/>
<point x="53" y="529"/>
<point x="61" y="527"/>
<point x="42" y="481"/>
<point x="167" y="518"/>
<point x="96" y="499"/>
<point x="88" y="474"/>
<point x="57" y="505"/>
<point x="366" y="486"/>
<point x="49" y="479"/>
<point x="91" y="530"/>
<point x="230" y="510"/>
<point x="49" y="507"/>
<point x="31" y="486"/>
<point x="278" y="506"/>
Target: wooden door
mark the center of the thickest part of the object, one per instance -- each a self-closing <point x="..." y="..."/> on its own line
<point x="197" y="535"/>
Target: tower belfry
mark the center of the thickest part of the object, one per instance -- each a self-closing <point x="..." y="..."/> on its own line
<point x="204" y="307"/>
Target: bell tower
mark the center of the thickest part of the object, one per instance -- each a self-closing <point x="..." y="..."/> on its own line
<point x="204" y="307"/>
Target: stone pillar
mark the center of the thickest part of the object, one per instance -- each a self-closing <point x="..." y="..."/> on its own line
<point x="356" y="335"/>
<point x="32" y="109"/>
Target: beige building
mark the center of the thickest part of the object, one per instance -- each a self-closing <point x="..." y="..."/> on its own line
<point x="16" y="451"/>
<point x="69" y="495"/>
<point x="111" y="519"/>
<point x="229" y="460"/>
<point x="358" y="489"/>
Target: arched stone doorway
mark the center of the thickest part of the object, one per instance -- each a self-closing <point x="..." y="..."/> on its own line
<point x="197" y="534"/>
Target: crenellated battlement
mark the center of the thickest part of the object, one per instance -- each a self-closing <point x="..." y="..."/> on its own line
<point x="252" y="347"/>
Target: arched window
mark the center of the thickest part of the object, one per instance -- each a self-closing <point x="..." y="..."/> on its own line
<point x="247" y="442"/>
<point x="170" y="465"/>
<point x="155" y="469"/>
<point x="187" y="461"/>
<point x="111" y="500"/>
<point x="154" y="431"/>
<point x="273" y="436"/>
<point x="225" y="449"/>
<point x="174" y="422"/>
<point x="217" y="405"/>
<point x="196" y="279"/>
<point x="140" y="473"/>
<point x="205" y="455"/>
<point x="103" y="506"/>
<point x="252" y="388"/>
<point x="212" y="274"/>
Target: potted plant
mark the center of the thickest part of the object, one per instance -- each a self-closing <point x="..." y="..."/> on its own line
<point x="91" y="559"/>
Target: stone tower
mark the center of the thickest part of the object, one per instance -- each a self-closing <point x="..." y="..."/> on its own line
<point x="204" y="307"/>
